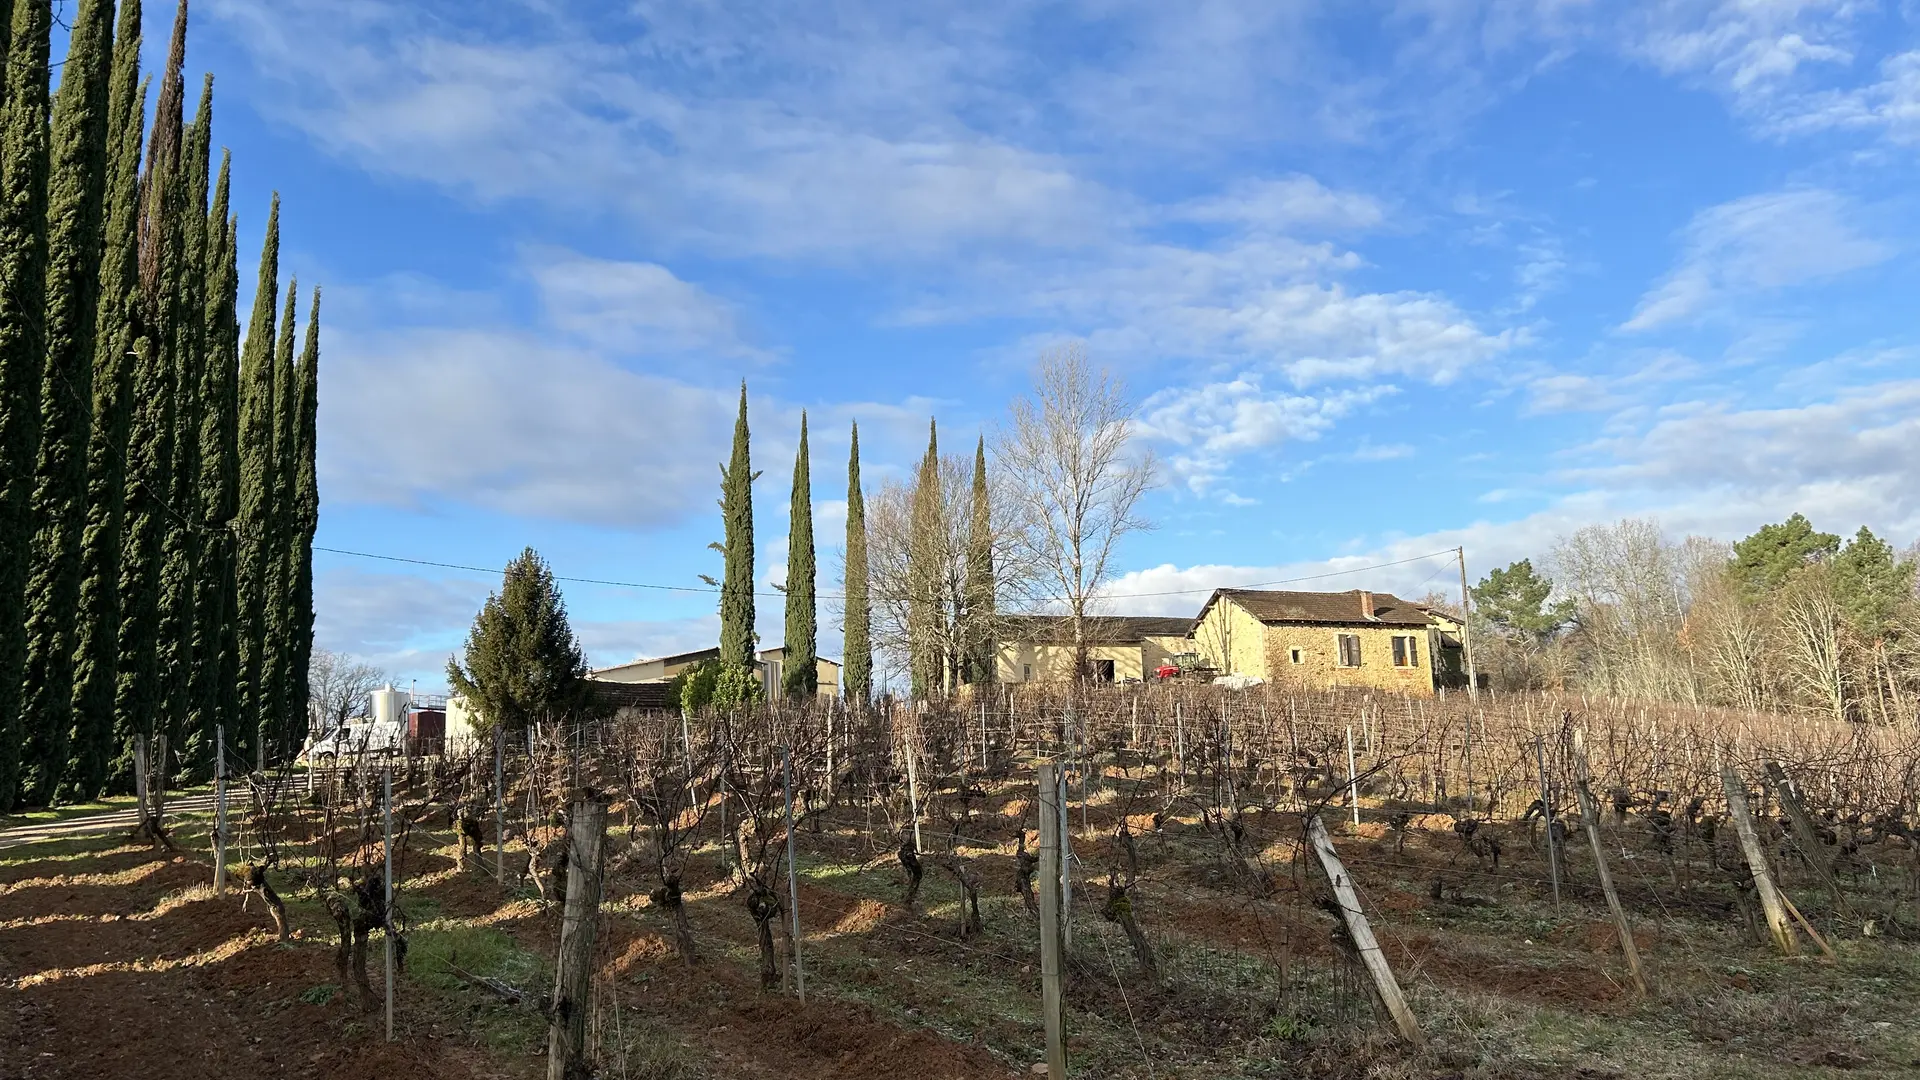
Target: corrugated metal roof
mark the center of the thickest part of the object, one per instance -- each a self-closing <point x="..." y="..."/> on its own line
<point x="1320" y="607"/>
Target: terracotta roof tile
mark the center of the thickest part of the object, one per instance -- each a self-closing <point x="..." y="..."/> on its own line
<point x="1321" y="607"/>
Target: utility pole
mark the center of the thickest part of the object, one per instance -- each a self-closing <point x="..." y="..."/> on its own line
<point x="1466" y="623"/>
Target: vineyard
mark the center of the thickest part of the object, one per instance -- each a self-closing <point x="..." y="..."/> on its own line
<point x="1764" y="907"/>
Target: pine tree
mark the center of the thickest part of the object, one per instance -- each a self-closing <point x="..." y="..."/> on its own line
<point x="306" y="513"/>
<point x="979" y="612"/>
<point x="76" y="193"/>
<point x="801" y="674"/>
<point x="736" y="587"/>
<point x="140" y="684"/>
<point x="279" y="582"/>
<point x="96" y="648"/>
<point x="522" y="662"/>
<point x="923" y="573"/>
<point x="856" y="616"/>
<point x="183" y="296"/>
<point x="254" y="537"/>
<point x="23" y="266"/>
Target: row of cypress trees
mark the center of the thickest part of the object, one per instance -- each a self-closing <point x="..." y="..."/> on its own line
<point x="157" y="490"/>
<point x="975" y="661"/>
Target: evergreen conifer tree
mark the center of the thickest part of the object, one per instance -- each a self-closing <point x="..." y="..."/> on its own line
<point x="979" y="611"/>
<point x="736" y="586"/>
<point x="76" y="192"/>
<point x="306" y="515"/>
<point x="856" y="615"/>
<point x="223" y="329"/>
<point x="183" y="288"/>
<point x="23" y="257"/>
<point x="96" y="648"/>
<point x="522" y="662"/>
<point x="140" y="681"/>
<point x="254" y="545"/>
<point x="924" y="544"/>
<point x="279" y="598"/>
<point x="800" y="676"/>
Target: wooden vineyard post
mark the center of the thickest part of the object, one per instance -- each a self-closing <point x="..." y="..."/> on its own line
<point x="1066" y="864"/>
<point x="913" y="788"/>
<point x="1051" y="1008"/>
<point x="573" y="971"/>
<point x="1546" y="804"/>
<point x="1353" y="778"/>
<point x="1364" y="943"/>
<point x="1590" y="817"/>
<point x="499" y="805"/>
<point x="1803" y="833"/>
<point x="220" y="810"/>
<point x="386" y="813"/>
<point x="793" y="877"/>
<point x="1776" y="911"/>
<point x="140" y="782"/>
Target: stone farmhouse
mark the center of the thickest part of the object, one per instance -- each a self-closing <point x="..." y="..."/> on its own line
<point x="1309" y="640"/>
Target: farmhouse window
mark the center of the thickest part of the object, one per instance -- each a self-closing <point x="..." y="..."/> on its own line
<point x="1406" y="652"/>
<point x="1349" y="650"/>
<point x="1295" y="655"/>
<point x="1103" y="670"/>
<point x="1026" y="672"/>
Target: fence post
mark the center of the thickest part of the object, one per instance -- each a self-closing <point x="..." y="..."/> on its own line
<point x="1776" y="911"/>
<point x="573" y="971"/>
<point x="140" y="782"/>
<point x="1364" y="943"/>
<point x="793" y="876"/>
<point x="1590" y="816"/>
<point x="499" y="805"/>
<point x="219" y="810"/>
<point x="1066" y="865"/>
<point x="1353" y="778"/>
<point x="1051" y="1008"/>
<point x="1546" y="805"/>
<point x="386" y="813"/>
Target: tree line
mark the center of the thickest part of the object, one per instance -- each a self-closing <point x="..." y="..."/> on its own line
<point x="1788" y="618"/>
<point x="931" y="566"/>
<point x="158" y="496"/>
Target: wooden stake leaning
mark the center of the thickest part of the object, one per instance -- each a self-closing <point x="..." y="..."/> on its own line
<point x="1804" y="835"/>
<point x="1362" y="935"/>
<point x="1590" y="816"/>
<point x="1776" y="912"/>
<point x="1051" y="1007"/>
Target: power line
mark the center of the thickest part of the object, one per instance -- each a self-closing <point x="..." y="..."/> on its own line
<point x="876" y="596"/>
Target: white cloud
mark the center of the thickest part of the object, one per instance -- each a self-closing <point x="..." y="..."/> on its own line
<point x="1283" y="204"/>
<point x="406" y="624"/>
<point x="633" y="307"/>
<point x="1212" y="424"/>
<point x="1891" y="105"/>
<point x="1755" y="244"/>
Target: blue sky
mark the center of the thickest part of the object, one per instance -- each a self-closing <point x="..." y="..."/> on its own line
<point x="1386" y="277"/>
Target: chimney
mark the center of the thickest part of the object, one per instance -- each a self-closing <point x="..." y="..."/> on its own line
<point x="1366" y="605"/>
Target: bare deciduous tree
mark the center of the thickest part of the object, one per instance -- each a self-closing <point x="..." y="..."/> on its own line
<point x="339" y="684"/>
<point x="1074" y="476"/>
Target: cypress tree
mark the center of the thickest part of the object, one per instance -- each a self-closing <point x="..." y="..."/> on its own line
<point x="923" y="573"/>
<point x="23" y="266"/>
<point x="306" y="515"/>
<point x="96" y="648"/>
<point x="736" y="587"/>
<point x="800" y="676"/>
<point x="254" y="535"/>
<point x="76" y="192"/>
<point x="200" y="442"/>
<point x="979" y="605"/>
<point x="184" y="287"/>
<point x="141" y="683"/>
<point x="223" y="328"/>
<point x="856" y="616"/>
<point x="279" y="602"/>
